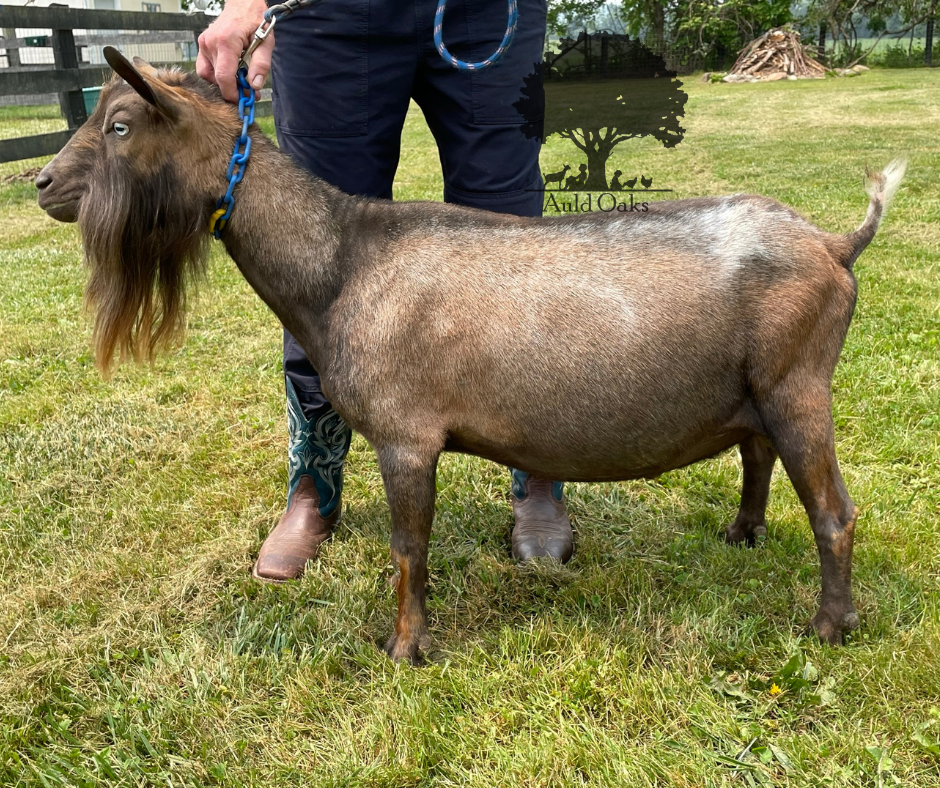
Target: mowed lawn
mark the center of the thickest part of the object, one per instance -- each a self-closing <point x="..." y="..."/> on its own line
<point x="135" y="650"/>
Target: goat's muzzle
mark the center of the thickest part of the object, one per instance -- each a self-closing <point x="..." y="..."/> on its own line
<point x="60" y="200"/>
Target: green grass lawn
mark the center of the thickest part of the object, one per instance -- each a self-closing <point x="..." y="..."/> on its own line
<point x="135" y="650"/>
<point x="20" y="121"/>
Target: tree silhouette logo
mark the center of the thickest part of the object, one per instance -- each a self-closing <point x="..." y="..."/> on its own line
<point x="598" y="91"/>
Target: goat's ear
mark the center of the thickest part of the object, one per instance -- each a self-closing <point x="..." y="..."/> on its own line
<point x="143" y="78"/>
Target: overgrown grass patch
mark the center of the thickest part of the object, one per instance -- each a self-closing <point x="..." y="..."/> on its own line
<point x="136" y="650"/>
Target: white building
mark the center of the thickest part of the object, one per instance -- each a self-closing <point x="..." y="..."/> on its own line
<point x="106" y="5"/>
<point x="170" y="46"/>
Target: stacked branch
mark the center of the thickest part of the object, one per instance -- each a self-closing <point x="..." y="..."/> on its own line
<point x="778" y="54"/>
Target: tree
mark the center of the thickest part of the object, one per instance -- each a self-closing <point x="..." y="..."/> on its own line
<point x="611" y="92"/>
<point x="722" y="27"/>
<point x="591" y="15"/>
<point x="928" y="35"/>
<point x="649" y="18"/>
<point x="842" y="18"/>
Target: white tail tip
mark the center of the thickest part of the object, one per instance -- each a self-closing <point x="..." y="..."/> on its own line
<point x="882" y="186"/>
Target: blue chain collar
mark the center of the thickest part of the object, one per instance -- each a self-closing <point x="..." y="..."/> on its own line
<point x="239" y="160"/>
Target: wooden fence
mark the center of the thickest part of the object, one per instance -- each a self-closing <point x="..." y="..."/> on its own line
<point x="68" y="75"/>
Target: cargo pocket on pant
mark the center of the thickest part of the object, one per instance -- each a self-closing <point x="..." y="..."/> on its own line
<point x="495" y="89"/>
<point x="320" y="71"/>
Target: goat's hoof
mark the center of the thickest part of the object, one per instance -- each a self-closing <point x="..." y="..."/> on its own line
<point x="832" y="627"/>
<point x="401" y="649"/>
<point x="743" y="531"/>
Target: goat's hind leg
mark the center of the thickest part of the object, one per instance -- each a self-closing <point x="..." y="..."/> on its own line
<point x="758" y="457"/>
<point x="409" y="478"/>
<point x="802" y="433"/>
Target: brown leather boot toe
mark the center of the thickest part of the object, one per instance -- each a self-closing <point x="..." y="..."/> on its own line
<point x="297" y="537"/>
<point x="542" y="524"/>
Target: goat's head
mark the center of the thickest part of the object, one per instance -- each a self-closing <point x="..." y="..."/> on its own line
<point x="142" y="177"/>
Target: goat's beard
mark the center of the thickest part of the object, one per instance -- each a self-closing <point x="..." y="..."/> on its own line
<point x="144" y="242"/>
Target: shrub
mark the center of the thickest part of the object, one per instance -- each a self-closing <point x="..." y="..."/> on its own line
<point x="896" y="56"/>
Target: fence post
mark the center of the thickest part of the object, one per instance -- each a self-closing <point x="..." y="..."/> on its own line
<point x="13" y="55"/>
<point x="928" y="42"/>
<point x="72" y="102"/>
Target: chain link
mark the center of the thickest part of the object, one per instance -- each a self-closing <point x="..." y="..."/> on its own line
<point x="239" y="160"/>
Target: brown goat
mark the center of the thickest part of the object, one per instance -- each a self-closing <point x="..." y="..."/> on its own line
<point x="584" y="348"/>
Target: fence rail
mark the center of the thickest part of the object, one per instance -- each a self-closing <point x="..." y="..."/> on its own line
<point x="171" y="37"/>
<point x="68" y="74"/>
<point x="47" y="80"/>
<point x="60" y="18"/>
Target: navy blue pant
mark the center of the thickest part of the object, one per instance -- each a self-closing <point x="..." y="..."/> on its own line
<point x="344" y="73"/>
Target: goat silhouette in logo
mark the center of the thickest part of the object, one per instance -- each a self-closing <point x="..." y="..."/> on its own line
<point x="557" y="177"/>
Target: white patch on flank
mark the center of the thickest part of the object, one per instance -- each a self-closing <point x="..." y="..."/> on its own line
<point x="733" y="230"/>
<point x="624" y="306"/>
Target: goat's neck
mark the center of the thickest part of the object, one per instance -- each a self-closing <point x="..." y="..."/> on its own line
<point x="285" y="230"/>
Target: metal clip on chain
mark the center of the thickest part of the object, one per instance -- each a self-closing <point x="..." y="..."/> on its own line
<point x="271" y="16"/>
<point x="239" y="160"/>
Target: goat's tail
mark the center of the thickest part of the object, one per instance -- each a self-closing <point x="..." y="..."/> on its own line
<point x="880" y="187"/>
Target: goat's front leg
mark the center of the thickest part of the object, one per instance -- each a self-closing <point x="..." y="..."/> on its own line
<point x="409" y="477"/>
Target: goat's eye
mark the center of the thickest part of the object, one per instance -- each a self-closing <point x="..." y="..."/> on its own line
<point x="120" y="129"/>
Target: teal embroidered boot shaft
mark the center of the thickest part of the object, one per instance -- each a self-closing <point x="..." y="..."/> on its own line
<point x="542" y="525"/>
<point x="316" y="452"/>
<point x="318" y="448"/>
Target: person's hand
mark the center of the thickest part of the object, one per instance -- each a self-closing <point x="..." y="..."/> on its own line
<point x="222" y="43"/>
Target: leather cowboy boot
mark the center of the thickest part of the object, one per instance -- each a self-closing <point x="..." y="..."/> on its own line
<point x="542" y="524"/>
<point x="316" y="451"/>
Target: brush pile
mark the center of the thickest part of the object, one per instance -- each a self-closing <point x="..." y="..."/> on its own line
<point x="778" y="54"/>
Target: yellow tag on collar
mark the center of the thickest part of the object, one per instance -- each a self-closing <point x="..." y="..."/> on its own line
<point x="214" y="219"/>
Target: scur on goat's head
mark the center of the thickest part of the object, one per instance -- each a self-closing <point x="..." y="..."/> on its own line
<point x="142" y="177"/>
